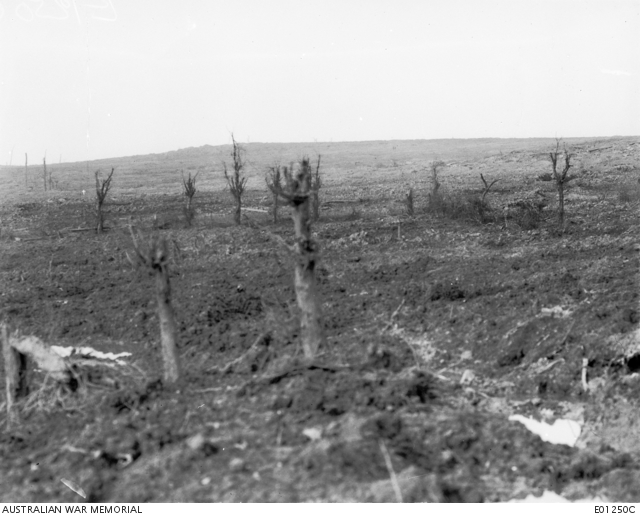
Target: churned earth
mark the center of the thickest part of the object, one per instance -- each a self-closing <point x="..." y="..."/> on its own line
<point x="438" y="329"/>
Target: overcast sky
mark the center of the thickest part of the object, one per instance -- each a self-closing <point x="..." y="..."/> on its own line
<point x="90" y="79"/>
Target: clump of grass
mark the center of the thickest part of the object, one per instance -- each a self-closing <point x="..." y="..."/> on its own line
<point x="354" y="215"/>
<point x="526" y="213"/>
<point x="461" y="206"/>
<point x="629" y="193"/>
<point x="6" y="234"/>
<point x="478" y="210"/>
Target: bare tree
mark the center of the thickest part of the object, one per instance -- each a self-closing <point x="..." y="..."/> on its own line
<point x="408" y="200"/>
<point x="156" y="258"/>
<point x="435" y="167"/>
<point x="52" y="183"/>
<point x="296" y="192"/>
<point x="236" y="181"/>
<point x="316" y="184"/>
<point x="274" y="183"/>
<point x="44" y="164"/>
<point x="102" y="189"/>
<point x="189" y="190"/>
<point x="434" y="195"/>
<point x="561" y="178"/>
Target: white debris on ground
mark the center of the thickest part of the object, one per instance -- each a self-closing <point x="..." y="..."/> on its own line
<point x="87" y="351"/>
<point x="561" y="432"/>
<point x="556" y="312"/>
<point x="552" y="497"/>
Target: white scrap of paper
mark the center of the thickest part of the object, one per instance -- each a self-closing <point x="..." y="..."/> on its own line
<point x="561" y="432"/>
<point x="313" y="433"/>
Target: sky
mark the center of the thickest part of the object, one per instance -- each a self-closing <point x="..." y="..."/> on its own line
<point x="90" y="79"/>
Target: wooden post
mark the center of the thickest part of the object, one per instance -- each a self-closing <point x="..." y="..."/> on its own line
<point x="15" y="370"/>
<point x="44" y="163"/>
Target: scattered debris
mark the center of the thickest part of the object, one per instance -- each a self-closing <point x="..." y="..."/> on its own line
<point x="87" y="351"/>
<point x="556" y="312"/>
<point x="467" y="377"/>
<point x="551" y="497"/>
<point x="44" y="356"/>
<point x="75" y="487"/>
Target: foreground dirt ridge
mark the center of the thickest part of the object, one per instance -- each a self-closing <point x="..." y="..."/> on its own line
<point x="438" y="329"/>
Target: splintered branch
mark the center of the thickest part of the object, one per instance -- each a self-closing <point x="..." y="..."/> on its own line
<point x="155" y="258"/>
<point x="487" y="186"/>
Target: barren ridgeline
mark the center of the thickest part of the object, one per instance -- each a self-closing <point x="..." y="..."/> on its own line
<point x="365" y="334"/>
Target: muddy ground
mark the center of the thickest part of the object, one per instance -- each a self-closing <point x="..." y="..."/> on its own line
<point x="439" y="328"/>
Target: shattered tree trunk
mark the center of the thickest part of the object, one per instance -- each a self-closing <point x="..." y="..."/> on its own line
<point x="15" y="372"/>
<point x="99" y="217"/>
<point x="305" y="278"/>
<point x="102" y="190"/>
<point x="156" y="258"/>
<point x="561" y="204"/>
<point x="316" y="184"/>
<point x="561" y="178"/>
<point x="168" y="328"/>
<point x="237" y="216"/>
<point x="16" y="350"/>
<point x="275" y="208"/>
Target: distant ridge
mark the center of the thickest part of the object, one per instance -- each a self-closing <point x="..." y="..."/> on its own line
<point x="421" y="149"/>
